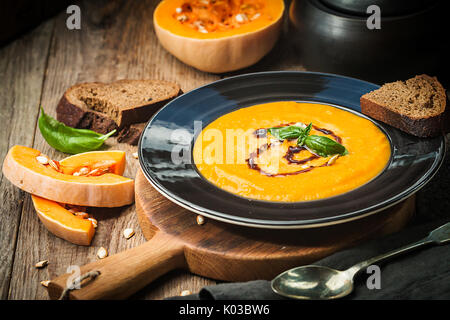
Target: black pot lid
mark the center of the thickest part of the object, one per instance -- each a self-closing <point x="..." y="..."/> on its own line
<point x="413" y="161"/>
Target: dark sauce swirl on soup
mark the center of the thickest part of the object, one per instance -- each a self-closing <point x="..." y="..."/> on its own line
<point x="291" y="152"/>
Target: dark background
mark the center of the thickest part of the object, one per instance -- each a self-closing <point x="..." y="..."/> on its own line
<point x="396" y="56"/>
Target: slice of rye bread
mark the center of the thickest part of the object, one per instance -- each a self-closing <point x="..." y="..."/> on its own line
<point x="416" y="106"/>
<point x="103" y="107"/>
<point x="131" y="134"/>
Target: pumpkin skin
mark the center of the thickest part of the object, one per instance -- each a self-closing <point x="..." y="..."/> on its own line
<point x="222" y="51"/>
<point x="108" y="190"/>
<point x="62" y="223"/>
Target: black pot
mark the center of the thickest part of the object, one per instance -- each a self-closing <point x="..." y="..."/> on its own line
<point x="389" y="7"/>
<point x="336" y="39"/>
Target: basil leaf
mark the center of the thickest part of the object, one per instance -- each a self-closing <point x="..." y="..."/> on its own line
<point x="324" y="146"/>
<point x="304" y="135"/>
<point x="282" y="133"/>
<point x="67" y="139"/>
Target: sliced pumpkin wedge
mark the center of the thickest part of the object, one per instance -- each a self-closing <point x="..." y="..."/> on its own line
<point x="63" y="223"/>
<point x="115" y="160"/>
<point x="102" y="186"/>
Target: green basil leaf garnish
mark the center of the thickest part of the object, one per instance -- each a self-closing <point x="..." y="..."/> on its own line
<point x="324" y="146"/>
<point x="304" y="135"/>
<point x="282" y="133"/>
<point x="67" y="139"/>
<point x="320" y="145"/>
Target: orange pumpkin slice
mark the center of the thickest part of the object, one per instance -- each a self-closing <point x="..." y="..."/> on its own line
<point x="104" y="189"/>
<point x="62" y="223"/>
<point x="114" y="160"/>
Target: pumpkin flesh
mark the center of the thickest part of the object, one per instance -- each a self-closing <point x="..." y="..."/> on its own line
<point x="106" y="190"/>
<point x="113" y="160"/>
<point x="214" y="40"/>
<point x="220" y="19"/>
<point x="62" y="223"/>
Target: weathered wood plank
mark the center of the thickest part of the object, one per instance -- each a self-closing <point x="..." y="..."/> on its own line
<point x="116" y="41"/>
<point x="22" y="68"/>
<point x="111" y="45"/>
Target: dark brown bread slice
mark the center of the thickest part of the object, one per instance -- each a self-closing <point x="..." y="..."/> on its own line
<point x="103" y="107"/>
<point x="131" y="134"/>
<point x="416" y="106"/>
<point x="77" y="116"/>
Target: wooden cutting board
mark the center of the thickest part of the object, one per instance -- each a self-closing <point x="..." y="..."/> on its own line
<point x="218" y="250"/>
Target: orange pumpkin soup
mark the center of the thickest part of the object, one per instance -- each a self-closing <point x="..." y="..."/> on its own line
<point x="243" y="152"/>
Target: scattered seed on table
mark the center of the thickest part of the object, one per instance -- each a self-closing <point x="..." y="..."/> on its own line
<point x="200" y="220"/>
<point x="185" y="293"/>
<point x="45" y="283"/>
<point x="102" y="253"/>
<point x="41" y="264"/>
<point x="128" y="233"/>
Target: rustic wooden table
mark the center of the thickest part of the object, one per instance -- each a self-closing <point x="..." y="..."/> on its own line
<point x="116" y="41"/>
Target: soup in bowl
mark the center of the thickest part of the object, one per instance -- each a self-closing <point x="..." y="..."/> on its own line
<point x="290" y="151"/>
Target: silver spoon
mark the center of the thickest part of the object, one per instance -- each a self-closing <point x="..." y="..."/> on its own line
<point x="317" y="282"/>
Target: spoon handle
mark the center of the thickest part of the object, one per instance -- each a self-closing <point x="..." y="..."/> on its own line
<point x="439" y="235"/>
<point x="352" y="271"/>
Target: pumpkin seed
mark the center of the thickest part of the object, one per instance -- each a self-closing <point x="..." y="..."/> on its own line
<point x="200" y="220"/>
<point x="93" y="221"/>
<point x="332" y="160"/>
<point x="128" y="233"/>
<point x="41" y="264"/>
<point x="185" y="293"/>
<point x="45" y="283"/>
<point x="42" y="160"/>
<point x="102" y="253"/>
<point x="241" y="17"/>
<point x="256" y="16"/>
<point x="82" y="215"/>
<point x="182" y="18"/>
<point x="81" y="172"/>
<point x="54" y="164"/>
